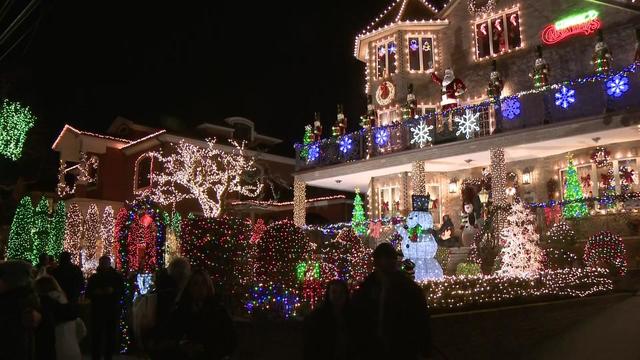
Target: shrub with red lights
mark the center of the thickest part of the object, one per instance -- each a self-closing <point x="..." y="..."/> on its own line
<point x="281" y="248"/>
<point x="606" y="250"/>
<point x="351" y="257"/>
<point x="221" y="247"/>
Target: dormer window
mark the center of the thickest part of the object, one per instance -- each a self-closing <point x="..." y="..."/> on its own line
<point x="498" y="34"/>
<point x="386" y="55"/>
<point x="421" y="53"/>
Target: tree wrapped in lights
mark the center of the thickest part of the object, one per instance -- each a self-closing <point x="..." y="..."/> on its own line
<point x="606" y="250"/>
<point x="351" y="258"/>
<point x="520" y="253"/>
<point x="258" y="229"/>
<point x="120" y="225"/>
<point x="15" y="122"/>
<point x="56" y="230"/>
<point x="106" y="230"/>
<point x="561" y="234"/>
<point x="174" y="224"/>
<point x="306" y="140"/>
<point x="281" y="248"/>
<point x="573" y="192"/>
<point x="92" y="227"/>
<point x="21" y="232"/>
<point x="358" y="219"/>
<point x="74" y="232"/>
<point x="41" y="227"/>
<point x="206" y="174"/>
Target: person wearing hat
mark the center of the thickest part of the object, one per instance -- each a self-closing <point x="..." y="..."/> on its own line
<point x="392" y="319"/>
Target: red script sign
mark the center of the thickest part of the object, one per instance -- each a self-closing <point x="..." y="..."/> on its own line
<point x="551" y="35"/>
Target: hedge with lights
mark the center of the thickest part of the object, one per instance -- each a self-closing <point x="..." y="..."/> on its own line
<point x="561" y="233"/>
<point x="40" y="229"/>
<point x="350" y="256"/>
<point x="468" y="269"/>
<point x="20" y="236"/>
<point x="15" y="122"/>
<point x="56" y="230"/>
<point x="606" y="250"/>
<point x="558" y="259"/>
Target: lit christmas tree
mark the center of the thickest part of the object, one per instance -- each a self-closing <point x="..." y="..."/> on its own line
<point x="106" y="231"/>
<point x="573" y="192"/>
<point x="15" y="122"/>
<point x="358" y="220"/>
<point x="74" y="232"/>
<point x="306" y="140"/>
<point x="520" y="253"/>
<point x="92" y="232"/>
<point x="40" y="229"/>
<point x="56" y="230"/>
<point x="21" y="233"/>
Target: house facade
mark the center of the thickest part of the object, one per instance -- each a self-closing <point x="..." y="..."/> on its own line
<point x="456" y="88"/>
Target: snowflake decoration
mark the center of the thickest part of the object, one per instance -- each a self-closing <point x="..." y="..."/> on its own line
<point x="565" y="97"/>
<point x="414" y="45"/>
<point x="618" y="85"/>
<point x="421" y="134"/>
<point x="314" y="152"/>
<point x="511" y="108"/>
<point x="392" y="49"/>
<point x="467" y="124"/>
<point x="382" y="51"/>
<point x="382" y="137"/>
<point x="426" y="46"/>
<point x="345" y="144"/>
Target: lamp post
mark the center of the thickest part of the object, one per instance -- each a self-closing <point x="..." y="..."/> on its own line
<point x="484" y="198"/>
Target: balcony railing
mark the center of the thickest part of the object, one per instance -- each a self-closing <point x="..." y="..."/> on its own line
<point x="588" y="96"/>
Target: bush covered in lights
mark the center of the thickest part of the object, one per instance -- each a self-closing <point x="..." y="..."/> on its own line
<point x="558" y="259"/>
<point x="452" y="293"/>
<point x="606" y="250"/>
<point x="562" y="234"/>
<point x="350" y="256"/>
<point x="468" y="269"/>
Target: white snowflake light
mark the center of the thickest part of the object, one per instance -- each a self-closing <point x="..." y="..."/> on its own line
<point x="467" y="124"/>
<point x="421" y="134"/>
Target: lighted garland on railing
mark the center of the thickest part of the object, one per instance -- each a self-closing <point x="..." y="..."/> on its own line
<point x="614" y="80"/>
<point x="332" y="229"/>
<point x="608" y="199"/>
<point x="463" y="291"/>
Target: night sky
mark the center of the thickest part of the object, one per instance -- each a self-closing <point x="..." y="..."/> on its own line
<point x="177" y="65"/>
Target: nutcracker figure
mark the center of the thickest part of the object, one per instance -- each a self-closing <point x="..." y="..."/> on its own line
<point x="541" y="70"/>
<point x="602" y="57"/>
<point x="494" y="90"/>
<point x="369" y="120"/>
<point x="340" y="127"/>
<point x="317" y="127"/>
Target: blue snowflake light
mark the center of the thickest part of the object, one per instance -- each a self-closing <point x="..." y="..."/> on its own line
<point x="511" y="108"/>
<point x="565" y="97"/>
<point x="414" y="45"/>
<point x="314" y="152"/>
<point x="618" y="85"/>
<point x="345" y="144"/>
<point x="382" y="137"/>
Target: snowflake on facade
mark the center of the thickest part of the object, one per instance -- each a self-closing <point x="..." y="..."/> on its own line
<point x="314" y="152"/>
<point x="565" y="97"/>
<point x="382" y="137"/>
<point x="345" y="144"/>
<point x="421" y="134"/>
<point x="618" y="85"/>
<point x="467" y="124"/>
<point x="511" y="108"/>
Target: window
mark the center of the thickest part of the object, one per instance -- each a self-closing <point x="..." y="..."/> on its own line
<point x="424" y="109"/>
<point x="389" y="201"/>
<point x="421" y="53"/>
<point x="143" y="176"/>
<point x="497" y="35"/>
<point x="433" y="190"/>
<point x="386" y="58"/>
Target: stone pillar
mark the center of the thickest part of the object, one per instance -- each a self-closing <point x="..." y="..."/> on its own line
<point x="498" y="188"/>
<point x="418" y="181"/>
<point x="299" y="202"/>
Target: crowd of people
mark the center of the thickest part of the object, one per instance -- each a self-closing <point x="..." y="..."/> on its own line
<point x="40" y="311"/>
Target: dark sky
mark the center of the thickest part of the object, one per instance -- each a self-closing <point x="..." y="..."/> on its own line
<point x="273" y="62"/>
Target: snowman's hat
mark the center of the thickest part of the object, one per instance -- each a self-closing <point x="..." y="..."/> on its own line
<point x="420" y="202"/>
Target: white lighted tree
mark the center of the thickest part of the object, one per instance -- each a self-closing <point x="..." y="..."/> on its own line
<point x="520" y="253"/>
<point x="206" y="174"/>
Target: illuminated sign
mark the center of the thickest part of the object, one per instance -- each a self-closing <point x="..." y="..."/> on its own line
<point x="584" y="23"/>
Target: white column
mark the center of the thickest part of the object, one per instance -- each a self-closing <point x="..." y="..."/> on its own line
<point x="299" y="202"/>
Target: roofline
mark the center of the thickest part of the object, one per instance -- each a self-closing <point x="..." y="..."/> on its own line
<point x="68" y="127"/>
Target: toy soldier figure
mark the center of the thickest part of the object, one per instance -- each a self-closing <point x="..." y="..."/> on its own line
<point x="368" y="120"/>
<point x="317" y="127"/>
<point x="494" y="90"/>
<point x="602" y="57"/>
<point x="540" y="73"/>
<point x="340" y="127"/>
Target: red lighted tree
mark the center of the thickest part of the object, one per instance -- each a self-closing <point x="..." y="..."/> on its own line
<point x="606" y="250"/>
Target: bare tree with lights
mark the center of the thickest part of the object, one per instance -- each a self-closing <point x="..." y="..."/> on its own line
<point x="207" y="174"/>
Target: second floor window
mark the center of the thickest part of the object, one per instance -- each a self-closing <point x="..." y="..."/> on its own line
<point x="497" y="35"/>
<point x="143" y="175"/>
<point x="386" y="53"/>
<point x="420" y="53"/>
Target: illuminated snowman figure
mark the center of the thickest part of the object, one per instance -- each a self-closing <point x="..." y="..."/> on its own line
<point x="418" y="243"/>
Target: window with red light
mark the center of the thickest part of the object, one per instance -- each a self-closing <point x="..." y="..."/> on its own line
<point x="498" y="34"/>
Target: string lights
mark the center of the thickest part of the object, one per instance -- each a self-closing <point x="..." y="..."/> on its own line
<point x="520" y="253"/>
<point x="92" y="232"/>
<point x="561" y="233"/>
<point x="573" y="191"/>
<point x="74" y="232"/>
<point x="106" y="230"/>
<point x="20" y="234"/>
<point x="299" y="202"/>
<point x="606" y="250"/>
<point x="358" y="219"/>
<point x="40" y="229"/>
<point x="56" y="230"/>
<point x="15" y="121"/>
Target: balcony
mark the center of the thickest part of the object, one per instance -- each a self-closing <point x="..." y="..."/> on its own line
<point x="588" y="97"/>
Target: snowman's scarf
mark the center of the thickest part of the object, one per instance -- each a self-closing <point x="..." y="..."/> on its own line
<point x="415" y="232"/>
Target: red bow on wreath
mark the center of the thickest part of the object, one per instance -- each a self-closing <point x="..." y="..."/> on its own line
<point x="385" y="206"/>
<point x="627" y="175"/>
<point x="606" y="179"/>
<point x="552" y="214"/>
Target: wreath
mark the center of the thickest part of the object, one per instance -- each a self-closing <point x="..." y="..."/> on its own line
<point x="385" y="93"/>
<point x="601" y="157"/>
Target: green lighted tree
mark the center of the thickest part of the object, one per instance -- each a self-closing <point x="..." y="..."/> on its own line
<point x="40" y="229"/>
<point x="358" y="220"/>
<point x="306" y="140"/>
<point x="56" y="230"/>
<point x="21" y="233"/>
<point x="573" y="191"/>
<point x="15" y="122"/>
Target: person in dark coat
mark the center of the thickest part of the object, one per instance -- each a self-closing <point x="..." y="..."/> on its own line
<point x="202" y="327"/>
<point x="391" y="312"/>
<point x="69" y="276"/>
<point x="329" y="328"/>
<point x="104" y="289"/>
<point x="19" y="311"/>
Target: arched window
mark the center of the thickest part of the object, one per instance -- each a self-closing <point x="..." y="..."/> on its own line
<point x="143" y="178"/>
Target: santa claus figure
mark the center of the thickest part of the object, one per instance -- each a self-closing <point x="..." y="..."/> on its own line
<point x="494" y="90"/>
<point x="540" y="73"/>
<point x="452" y="89"/>
<point x="340" y="127"/>
<point x="602" y="57"/>
<point x="317" y="128"/>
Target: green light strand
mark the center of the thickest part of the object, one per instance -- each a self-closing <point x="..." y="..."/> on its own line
<point x="358" y="220"/>
<point x="40" y="230"/>
<point x="573" y="191"/>
<point x="56" y="230"/>
<point x="20" y="234"/>
<point x="15" y="121"/>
